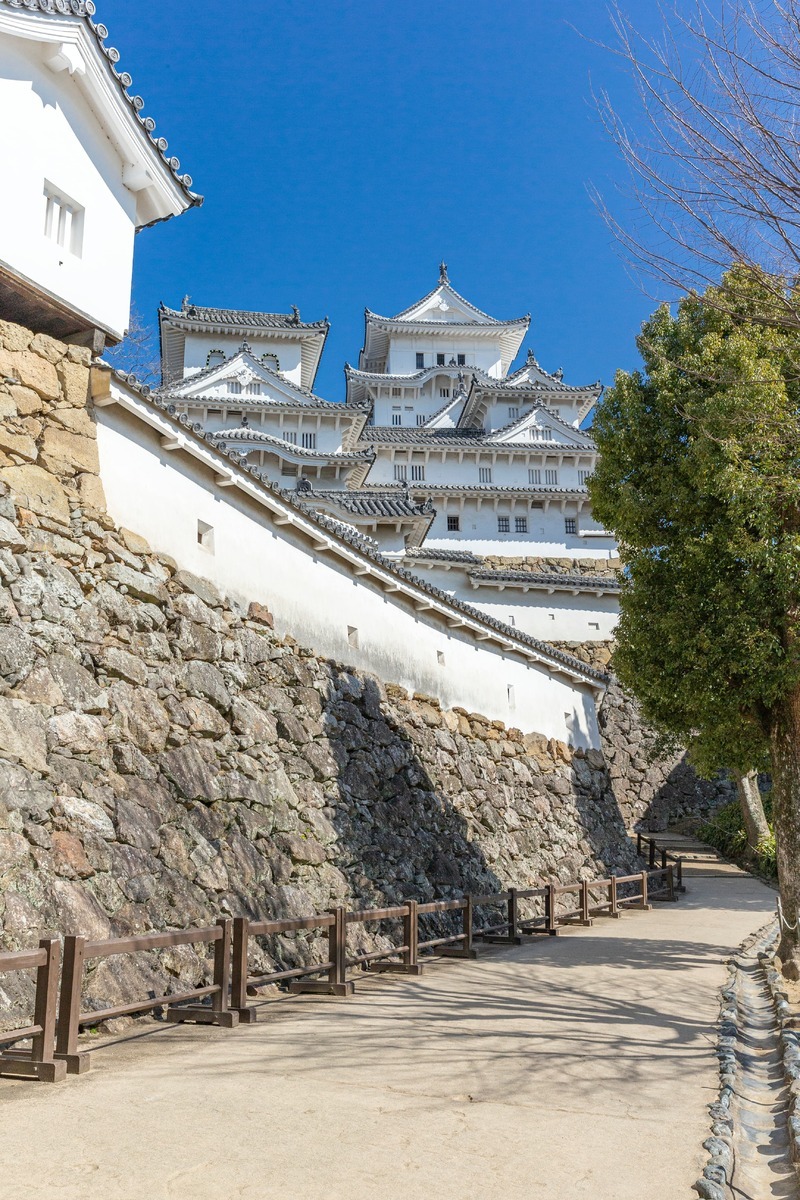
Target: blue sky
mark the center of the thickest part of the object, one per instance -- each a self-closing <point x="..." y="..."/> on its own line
<point x="345" y="147"/>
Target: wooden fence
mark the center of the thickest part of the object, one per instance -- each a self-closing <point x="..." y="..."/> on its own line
<point x="526" y="914"/>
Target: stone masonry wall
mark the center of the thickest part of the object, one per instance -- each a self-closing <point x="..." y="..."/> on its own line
<point x="651" y="793"/>
<point x="166" y="759"/>
<point x="598" y="567"/>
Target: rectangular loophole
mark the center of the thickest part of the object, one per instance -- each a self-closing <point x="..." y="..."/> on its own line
<point x="440" y="657"/>
<point x="352" y="636"/>
<point x="205" y="536"/>
<point x="512" y="700"/>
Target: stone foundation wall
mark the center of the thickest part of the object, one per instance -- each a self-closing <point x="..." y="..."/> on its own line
<point x="165" y="758"/>
<point x="650" y="793"/>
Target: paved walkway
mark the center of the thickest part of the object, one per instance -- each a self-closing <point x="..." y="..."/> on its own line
<point x="576" y="1067"/>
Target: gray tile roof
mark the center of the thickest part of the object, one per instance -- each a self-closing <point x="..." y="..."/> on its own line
<point x="372" y="504"/>
<point x="174" y="386"/>
<point x="363" y="544"/>
<point x="239" y="318"/>
<point x="256" y="437"/>
<point x="562" y="580"/>
<point x="434" y="555"/>
<point x="445" y="282"/>
<point x="87" y="9"/>
<point x="421" y="435"/>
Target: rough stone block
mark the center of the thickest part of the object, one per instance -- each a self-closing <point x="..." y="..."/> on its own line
<point x="38" y="490"/>
<point x="23" y="736"/>
<point x="36" y="373"/>
<point x="138" y="583"/>
<point x="77" y="452"/>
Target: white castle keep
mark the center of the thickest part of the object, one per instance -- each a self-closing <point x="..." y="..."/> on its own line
<point x="466" y="471"/>
<point x="433" y="529"/>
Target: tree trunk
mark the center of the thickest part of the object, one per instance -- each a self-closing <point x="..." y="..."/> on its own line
<point x="755" y="822"/>
<point x="785" y="761"/>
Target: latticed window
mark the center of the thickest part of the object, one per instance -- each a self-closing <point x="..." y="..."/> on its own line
<point x="400" y="472"/>
<point x="290" y="435"/>
<point x="418" y="472"/>
<point x="583" y="477"/>
<point x="551" y="476"/>
<point x="534" y="475"/>
<point x="308" y="441"/>
<point x="420" y="418"/>
<point x="253" y="389"/>
<point x="513" y="413"/>
<point x="484" y="474"/>
<point x="444" y="393"/>
<point x="503" y="524"/>
<point x="234" y="387"/>
<point x="570" y="525"/>
<point x="63" y="221"/>
<point x="453" y="524"/>
<point x="520" y="524"/>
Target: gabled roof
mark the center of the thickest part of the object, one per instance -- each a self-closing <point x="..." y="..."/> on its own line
<point x="440" y="311"/>
<point x="244" y="362"/>
<point x="484" y="392"/>
<point x="541" y="416"/>
<point x="373" y="504"/>
<point x="79" y="48"/>
<point x="175" y="323"/>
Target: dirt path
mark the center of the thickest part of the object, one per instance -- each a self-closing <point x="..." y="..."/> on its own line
<point x="578" y="1066"/>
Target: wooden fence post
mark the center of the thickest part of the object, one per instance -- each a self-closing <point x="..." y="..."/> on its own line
<point x="40" y="1062"/>
<point x="644" y="890"/>
<point x="69" y="1009"/>
<point x="612" y="888"/>
<point x="337" y="983"/>
<point x="652" y="854"/>
<point x="550" y="909"/>
<point x="410" y="964"/>
<point x="241" y="936"/>
<point x="585" y="918"/>
<point x="513" y="915"/>
<point x="219" y="1012"/>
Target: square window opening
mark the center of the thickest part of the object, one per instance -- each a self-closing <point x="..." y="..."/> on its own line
<point x="520" y="524"/>
<point x="205" y="536"/>
<point x="63" y="220"/>
<point x="503" y="524"/>
<point x="420" y="361"/>
<point x="570" y="525"/>
<point x="453" y="524"/>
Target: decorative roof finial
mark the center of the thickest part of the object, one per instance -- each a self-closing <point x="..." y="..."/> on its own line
<point x="295" y="314"/>
<point x="245" y="421"/>
<point x="443" y="277"/>
<point x="559" y="374"/>
<point x="185" y="302"/>
<point x="531" y="355"/>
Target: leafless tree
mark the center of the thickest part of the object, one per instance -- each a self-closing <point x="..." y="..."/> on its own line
<point x="714" y="158"/>
<point x="137" y="353"/>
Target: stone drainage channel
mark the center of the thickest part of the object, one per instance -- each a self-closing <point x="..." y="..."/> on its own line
<point x="753" y="1133"/>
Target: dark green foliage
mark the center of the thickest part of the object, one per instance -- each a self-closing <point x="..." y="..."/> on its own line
<point x="726" y="833"/>
<point x="699" y="477"/>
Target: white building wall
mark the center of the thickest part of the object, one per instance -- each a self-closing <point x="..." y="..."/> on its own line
<point x="483" y="352"/>
<point x="51" y="136"/>
<point x="316" y="597"/>
<point x="554" y="617"/>
<point x="546" y="535"/>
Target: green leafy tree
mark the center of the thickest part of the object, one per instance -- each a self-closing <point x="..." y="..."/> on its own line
<point x="699" y="477"/>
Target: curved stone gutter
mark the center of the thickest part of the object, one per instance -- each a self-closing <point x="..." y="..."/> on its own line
<point x="751" y="1150"/>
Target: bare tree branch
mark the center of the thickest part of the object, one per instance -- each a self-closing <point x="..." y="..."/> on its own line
<point x="714" y="162"/>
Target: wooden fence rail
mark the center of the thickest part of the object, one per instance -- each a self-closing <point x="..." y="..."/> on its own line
<point x="666" y="857"/>
<point x="54" y="1038"/>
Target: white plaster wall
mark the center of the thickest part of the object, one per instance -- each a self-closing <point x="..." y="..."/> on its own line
<point x="316" y="597"/>
<point x="198" y="345"/>
<point x="48" y="132"/>
<point x="546" y="536"/>
<point x="483" y="352"/>
<point x="508" y="469"/>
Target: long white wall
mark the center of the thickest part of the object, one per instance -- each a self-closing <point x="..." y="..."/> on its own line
<point x="318" y="598"/>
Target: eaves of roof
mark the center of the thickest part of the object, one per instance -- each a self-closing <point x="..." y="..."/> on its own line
<point x="560" y="582"/>
<point x="420" y="437"/>
<point x="545" y="653"/>
<point x="241" y="319"/>
<point x="372" y="504"/>
<point x="255" y="437"/>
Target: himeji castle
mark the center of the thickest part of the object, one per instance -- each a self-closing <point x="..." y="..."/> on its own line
<point x="471" y="473"/>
